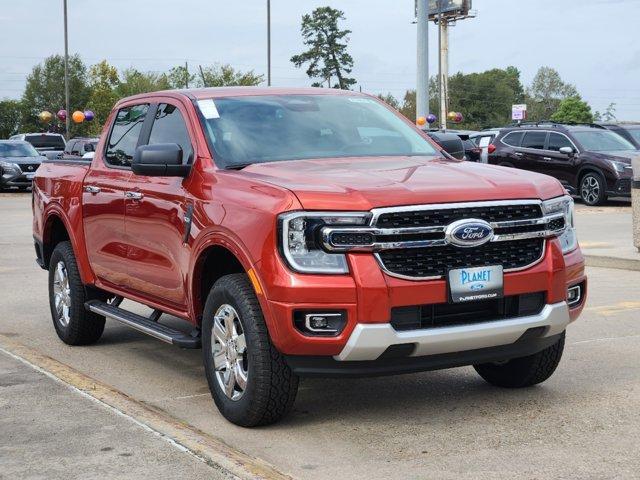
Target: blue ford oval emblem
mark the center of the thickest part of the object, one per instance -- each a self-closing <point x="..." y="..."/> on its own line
<point x="469" y="233"/>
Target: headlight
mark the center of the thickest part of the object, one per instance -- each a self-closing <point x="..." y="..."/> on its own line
<point x="300" y="240"/>
<point x="618" y="166"/>
<point x="9" y="167"/>
<point x="568" y="238"/>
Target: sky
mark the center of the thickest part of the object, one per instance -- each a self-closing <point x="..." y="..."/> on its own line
<point x="594" y="44"/>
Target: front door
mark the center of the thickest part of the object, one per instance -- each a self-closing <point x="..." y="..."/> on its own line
<point x="103" y="197"/>
<point x="156" y="209"/>
<point x="560" y="165"/>
<point x="531" y="151"/>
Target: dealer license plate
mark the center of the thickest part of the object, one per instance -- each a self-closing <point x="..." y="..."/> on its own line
<point x="477" y="283"/>
<point x="29" y="176"/>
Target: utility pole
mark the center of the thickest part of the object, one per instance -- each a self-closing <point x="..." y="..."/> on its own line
<point x="268" y="43"/>
<point x="422" y="81"/>
<point x="186" y="74"/>
<point x="66" y="72"/>
<point x="443" y="40"/>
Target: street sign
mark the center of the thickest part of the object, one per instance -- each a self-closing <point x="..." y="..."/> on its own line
<point x="448" y="8"/>
<point x="519" y="112"/>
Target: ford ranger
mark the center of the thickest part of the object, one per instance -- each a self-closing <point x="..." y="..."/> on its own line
<point x="305" y="232"/>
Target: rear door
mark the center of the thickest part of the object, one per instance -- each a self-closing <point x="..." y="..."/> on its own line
<point x="156" y="209"/>
<point x="103" y="196"/>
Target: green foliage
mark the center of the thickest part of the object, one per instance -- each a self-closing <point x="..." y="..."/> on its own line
<point x="545" y="93"/>
<point x="390" y="100"/>
<point x="179" y="77"/>
<point x="10" y="117"/>
<point x="609" y="114"/>
<point x="44" y="90"/>
<point x="227" y="76"/>
<point x="134" y="82"/>
<point x="573" y="110"/>
<point x="327" y="55"/>
<point x="103" y="81"/>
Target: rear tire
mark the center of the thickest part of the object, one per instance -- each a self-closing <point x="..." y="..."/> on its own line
<point x="67" y="295"/>
<point x="593" y="189"/>
<point x="249" y="379"/>
<point x="524" y="371"/>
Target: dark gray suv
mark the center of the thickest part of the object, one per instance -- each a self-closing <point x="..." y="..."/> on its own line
<point x="19" y="161"/>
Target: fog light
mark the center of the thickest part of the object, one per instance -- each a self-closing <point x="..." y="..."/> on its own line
<point x="574" y="295"/>
<point x="320" y="323"/>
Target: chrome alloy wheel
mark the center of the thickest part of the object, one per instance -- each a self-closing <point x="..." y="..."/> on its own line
<point x="62" y="294"/>
<point x="590" y="189"/>
<point x="229" y="350"/>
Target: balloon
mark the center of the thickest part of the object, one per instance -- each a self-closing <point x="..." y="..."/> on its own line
<point x="458" y="118"/>
<point x="431" y="118"/>
<point x="421" y="121"/>
<point x="62" y="115"/>
<point x="451" y="116"/>
<point x="88" y="115"/>
<point x="78" y="116"/>
<point x="45" y="117"/>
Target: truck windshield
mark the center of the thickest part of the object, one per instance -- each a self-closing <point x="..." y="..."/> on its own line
<point x="258" y="129"/>
<point x="603" y="141"/>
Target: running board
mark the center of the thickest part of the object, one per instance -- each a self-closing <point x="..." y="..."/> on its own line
<point x="145" y="325"/>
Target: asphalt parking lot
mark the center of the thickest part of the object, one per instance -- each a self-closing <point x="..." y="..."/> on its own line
<point x="582" y="423"/>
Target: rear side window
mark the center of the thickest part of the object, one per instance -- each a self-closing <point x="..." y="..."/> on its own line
<point x="557" y="141"/>
<point x="169" y="127"/>
<point x="513" y="139"/>
<point x="123" y="139"/>
<point x="534" y="140"/>
<point x="46" y="141"/>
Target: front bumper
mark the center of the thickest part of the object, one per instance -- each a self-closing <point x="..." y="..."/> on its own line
<point x="369" y="342"/>
<point x="15" y="179"/>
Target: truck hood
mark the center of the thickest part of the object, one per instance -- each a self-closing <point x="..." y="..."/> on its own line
<point x="366" y="183"/>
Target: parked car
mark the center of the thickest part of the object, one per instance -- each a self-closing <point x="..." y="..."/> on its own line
<point x="51" y="145"/>
<point x="306" y="232"/>
<point x="472" y="151"/>
<point x="484" y="141"/>
<point x="79" y="146"/>
<point x="589" y="160"/>
<point x="18" y="164"/>
<point x="630" y="131"/>
<point x="450" y="143"/>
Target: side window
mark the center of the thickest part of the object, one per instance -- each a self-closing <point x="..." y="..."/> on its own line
<point x="513" y="139"/>
<point x="124" y="135"/>
<point x="70" y="145"/>
<point x="534" y="140"/>
<point x="76" y="147"/>
<point x="169" y="127"/>
<point x="557" y="141"/>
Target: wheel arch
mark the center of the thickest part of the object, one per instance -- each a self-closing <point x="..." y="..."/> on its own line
<point x="584" y="170"/>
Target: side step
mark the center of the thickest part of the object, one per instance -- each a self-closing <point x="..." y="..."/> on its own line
<point x="145" y="325"/>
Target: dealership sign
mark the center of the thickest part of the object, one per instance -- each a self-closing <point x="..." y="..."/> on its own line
<point x="519" y="112"/>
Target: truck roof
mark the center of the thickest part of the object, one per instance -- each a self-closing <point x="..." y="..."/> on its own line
<point x="220" y="92"/>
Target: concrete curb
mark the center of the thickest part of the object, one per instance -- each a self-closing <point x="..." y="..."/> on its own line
<point x="612" y="262"/>
<point x="207" y="448"/>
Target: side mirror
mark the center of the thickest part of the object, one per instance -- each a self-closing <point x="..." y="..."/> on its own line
<point x="89" y="147"/>
<point x="567" y="151"/>
<point x="159" y="160"/>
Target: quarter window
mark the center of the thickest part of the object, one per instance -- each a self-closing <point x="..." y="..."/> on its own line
<point x="534" y="140"/>
<point x="124" y="135"/>
<point x="169" y="127"/>
<point x="557" y="141"/>
<point x="513" y="139"/>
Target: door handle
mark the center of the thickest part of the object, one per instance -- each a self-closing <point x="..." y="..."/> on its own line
<point x="134" y="195"/>
<point x="518" y="154"/>
<point x="92" y="189"/>
<point x="546" y="159"/>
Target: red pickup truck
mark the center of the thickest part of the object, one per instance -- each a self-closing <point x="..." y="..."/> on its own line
<point x="306" y="232"/>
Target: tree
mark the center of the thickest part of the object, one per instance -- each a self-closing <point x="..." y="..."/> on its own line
<point x="10" y="116"/>
<point x="44" y="90"/>
<point x="179" y="77"/>
<point x="134" y="82"/>
<point x="573" y="110"/>
<point x="545" y="93"/>
<point x="227" y="76"/>
<point x="327" y="55"/>
<point x="390" y="100"/>
<point x="103" y="82"/>
<point x="609" y="114"/>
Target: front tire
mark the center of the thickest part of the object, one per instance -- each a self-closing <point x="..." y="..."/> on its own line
<point x="524" y="371"/>
<point x="593" y="189"/>
<point x="250" y="382"/>
<point x="67" y="295"/>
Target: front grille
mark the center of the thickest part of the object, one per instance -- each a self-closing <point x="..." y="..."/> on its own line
<point x="445" y="216"/>
<point x="29" y="167"/>
<point x="452" y="314"/>
<point x="436" y="261"/>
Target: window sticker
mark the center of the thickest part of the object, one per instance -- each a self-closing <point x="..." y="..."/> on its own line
<point x="360" y="100"/>
<point x="208" y="108"/>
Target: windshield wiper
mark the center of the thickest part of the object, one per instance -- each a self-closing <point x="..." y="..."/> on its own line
<point x="238" y="166"/>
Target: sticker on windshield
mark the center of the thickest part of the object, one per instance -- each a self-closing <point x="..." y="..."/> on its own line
<point x="360" y="100"/>
<point x="208" y="108"/>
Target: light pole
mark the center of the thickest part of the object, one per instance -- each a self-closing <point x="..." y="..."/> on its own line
<point x="269" y="43"/>
<point x="66" y="72"/>
<point x="422" y="82"/>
